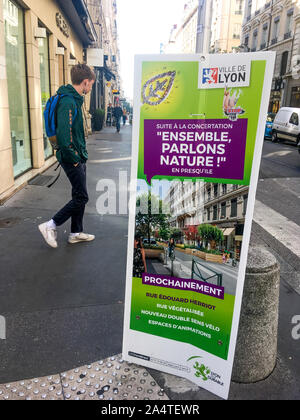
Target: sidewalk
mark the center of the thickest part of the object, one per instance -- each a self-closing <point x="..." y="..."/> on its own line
<point x="64" y="328"/>
<point x="60" y="305"/>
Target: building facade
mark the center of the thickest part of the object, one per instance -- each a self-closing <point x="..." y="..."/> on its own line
<point x="225" y="206"/>
<point x="183" y="35"/>
<point x="274" y="25"/>
<point x="183" y="199"/>
<point x="222" y="205"/>
<point x="39" y="43"/>
<point x="226" y="25"/>
<point x="108" y="83"/>
<point x="218" y="30"/>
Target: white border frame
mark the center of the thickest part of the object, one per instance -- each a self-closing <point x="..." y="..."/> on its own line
<point x="171" y="350"/>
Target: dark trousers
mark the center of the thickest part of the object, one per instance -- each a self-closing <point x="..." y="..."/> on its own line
<point x="75" y="208"/>
<point x="118" y="123"/>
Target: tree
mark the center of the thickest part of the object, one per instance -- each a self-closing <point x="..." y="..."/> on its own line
<point x="176" y="234"/>
<point x="151" y="217"/>
<point x="191" y="233"/>
<point x="211" y="234"/>
<point x="164" y="233"/>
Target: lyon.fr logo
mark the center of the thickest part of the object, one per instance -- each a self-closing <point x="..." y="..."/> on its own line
<point x="210" y="76"/>
<point x="201" y="371"/>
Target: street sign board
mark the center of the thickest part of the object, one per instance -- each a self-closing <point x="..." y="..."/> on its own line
<point x="198" y="132"/>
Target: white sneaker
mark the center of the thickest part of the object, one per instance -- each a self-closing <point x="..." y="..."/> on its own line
<point x="80" y="237"/>
<point x="49" y="234"/>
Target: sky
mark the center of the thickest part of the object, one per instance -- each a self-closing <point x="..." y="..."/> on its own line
<point x="142" y="26"/>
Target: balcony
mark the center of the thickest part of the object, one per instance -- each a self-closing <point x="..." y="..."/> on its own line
<point x="263" y="46"/>
<point x="287" y="35"/>
<point x="274" y="41"/>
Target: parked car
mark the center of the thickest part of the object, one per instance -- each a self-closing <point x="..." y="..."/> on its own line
<point x="286" y="125"/>
<point x="152" y="242"/>
<point x="269" y="125"/>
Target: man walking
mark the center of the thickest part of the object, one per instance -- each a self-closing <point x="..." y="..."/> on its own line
<point x="72" y="155"/>
<point x="118" y="113"/>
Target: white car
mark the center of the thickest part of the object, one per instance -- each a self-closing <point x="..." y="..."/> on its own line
<point x="286" y="125"/>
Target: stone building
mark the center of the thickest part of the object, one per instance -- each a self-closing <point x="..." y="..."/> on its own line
<point x="226" y="25"/>
<point x="274" y="25"/>
<point x="220" y="30"/>
<point x="39" y="43"/>
<point x="104" y="17"/>
<point x="184" y="201"/>
<point x="222" y="205"/>
<point x="183" y="35"/>
<point x="225" y="206"/>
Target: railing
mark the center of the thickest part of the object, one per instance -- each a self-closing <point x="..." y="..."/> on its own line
<point x="196" y="272"/>
<point x="287" y="35"/>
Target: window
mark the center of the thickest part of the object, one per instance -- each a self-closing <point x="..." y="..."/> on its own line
<point x="275" y="30"/>
<point x="236" y="31"/>
<point x="208" y="214"/>
<point x="254" y="41"/>
<point x="224" y="189"/>
<point x="284" y="61"/>
<point x="45" y="87"/>
<point x="216" y="190"/>
<point x="264" y="36"/>
<point x="239" y="7"/>
<point x="223" y="210"/>
<point x="215" y="213"/>
<point x="233" y="208"/>
<point x="294" y="119"/>
<point x="209" y="194"/>
<point x="245" y="203"/>
<point x="249" y="9"/>
<point x="17" y="86"/>
<point x="289" y="24"/>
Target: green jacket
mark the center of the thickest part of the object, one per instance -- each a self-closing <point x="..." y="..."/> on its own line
<point x="70" y="136"/>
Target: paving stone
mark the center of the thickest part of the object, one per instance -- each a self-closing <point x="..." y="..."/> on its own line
<point x="108" y="379"/>
<point x="111" y="379"/>
<point x="47" y="388"/>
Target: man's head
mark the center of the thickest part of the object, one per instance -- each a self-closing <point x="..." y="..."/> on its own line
<point x="83" y="78"/>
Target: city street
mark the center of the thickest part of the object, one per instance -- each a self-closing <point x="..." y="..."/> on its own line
<point x="64" y="307"/>
<point x="229" y="273"/>
<point x="278" y="199"/>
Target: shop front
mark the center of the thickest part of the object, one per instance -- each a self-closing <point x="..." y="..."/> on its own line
<point x="295" y="97"/>
<point x="39" y="43"/>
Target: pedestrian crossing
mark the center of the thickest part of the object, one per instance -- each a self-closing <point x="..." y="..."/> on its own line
<point x="279" y="226"/>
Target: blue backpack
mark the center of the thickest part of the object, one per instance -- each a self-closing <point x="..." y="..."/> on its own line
<point x="50" y="117"/>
